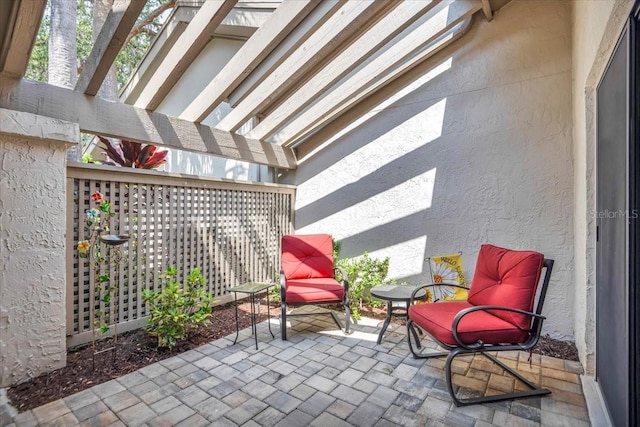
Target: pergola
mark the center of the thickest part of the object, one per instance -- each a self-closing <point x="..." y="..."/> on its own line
<point x="300" y="76"/>
<point x="304" y="69"/>
<point x="358" y="104"/>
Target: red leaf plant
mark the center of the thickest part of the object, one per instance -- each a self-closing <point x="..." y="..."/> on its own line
<point x="132" y="154"/>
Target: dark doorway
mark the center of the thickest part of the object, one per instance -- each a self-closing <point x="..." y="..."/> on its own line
<point x="617" y="243"/>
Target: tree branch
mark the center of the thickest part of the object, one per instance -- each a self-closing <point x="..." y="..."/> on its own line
<point x="148" y="31"/>
<point x="140" y="27"/>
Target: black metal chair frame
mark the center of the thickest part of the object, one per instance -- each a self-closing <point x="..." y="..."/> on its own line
<point x="479" y="347"/>
<point x="345" y="301"/>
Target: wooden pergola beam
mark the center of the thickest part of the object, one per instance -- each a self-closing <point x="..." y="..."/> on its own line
<point x="294" y="39"/>
<point x="113" y="119"/>
<point x="284" y="19"/>
<point x="486" y="10"/>
<point x="341" y="27"/>
<point x="184" y="52"/>
<point x="410" y="50"/>
<point x="357" y="53"/>
<point x="120" y="20"/>
<point x="20" y="36"/>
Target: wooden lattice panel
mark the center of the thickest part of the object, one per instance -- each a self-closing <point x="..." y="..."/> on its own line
<point x="230" y="230"/>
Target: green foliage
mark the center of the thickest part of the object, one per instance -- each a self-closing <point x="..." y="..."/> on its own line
<point x="148" y="25"/>
<point x="337" y="246"/>
<point x="175" y="309"/>
<point x="274" y="293"/>
<point x="39" y="61"/>
<point x="364" y="273"/>
<point x="84" y="38"/>
<point x="88" y="158"/>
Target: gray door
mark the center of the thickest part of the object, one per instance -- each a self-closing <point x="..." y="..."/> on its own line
<point x="612" y="293"/>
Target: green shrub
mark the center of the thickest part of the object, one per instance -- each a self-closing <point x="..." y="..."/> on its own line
<point x="364" y="273"/>
<point x="175" y="309"/>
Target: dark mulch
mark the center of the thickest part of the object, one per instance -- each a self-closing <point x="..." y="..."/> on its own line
<point x="137" y="349"/>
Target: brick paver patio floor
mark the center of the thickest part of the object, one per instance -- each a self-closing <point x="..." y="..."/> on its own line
<point x="318" y="378"/>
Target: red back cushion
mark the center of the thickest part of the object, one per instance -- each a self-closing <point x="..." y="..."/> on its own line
<point x="307" y="256"/>
<point x="506" y="278"/>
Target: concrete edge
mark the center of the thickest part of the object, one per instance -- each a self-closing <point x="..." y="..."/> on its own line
<point x="27" y="125"/>
<point x="6" y="410"/>
<point x="598" y="413"/>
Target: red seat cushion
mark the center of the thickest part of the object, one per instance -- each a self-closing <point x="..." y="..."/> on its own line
<point x="437" y="319"/>
<point x="307" y="256"/>
<point x="304" y="291"/>
<point x="506" y="278"/>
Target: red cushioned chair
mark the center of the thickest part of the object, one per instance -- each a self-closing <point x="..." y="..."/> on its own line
<point x="498" y="315"/>
<point x="308" y="276"/>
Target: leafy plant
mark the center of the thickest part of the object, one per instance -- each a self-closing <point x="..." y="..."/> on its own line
<point x="134" y="154"/>
<point x="175" y="309"/>
<point x="337" y="246"/>
<point x="88" y="158"/>
<point x="274" y="293"/>
<point x="363" y="273"/>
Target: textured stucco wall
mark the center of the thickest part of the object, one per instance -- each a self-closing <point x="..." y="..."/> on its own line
<point x="211" y="60"/>
<point x="477" y="148"/>
<point x="32" y="244"/>
<point x="596" y="28"/>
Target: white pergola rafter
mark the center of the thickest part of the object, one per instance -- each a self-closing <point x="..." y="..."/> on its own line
<point x="307" y="64"/>
<point x="20" y="34"/>
<point x="351" y="19"/>
<point x="412" y="47"/>
<point x="384" y="31"/>
<point x="486" y="10"/>
<point x="266" y="38"/>
<point x="294" y="39"/>
<point x="186" y="49"/>
<point x="120" y="20"/>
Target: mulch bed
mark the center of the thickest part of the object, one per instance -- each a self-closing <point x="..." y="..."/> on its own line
<point x="137" y="349"/>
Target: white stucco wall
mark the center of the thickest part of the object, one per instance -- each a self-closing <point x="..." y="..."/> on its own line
<point x="195" y="79"/>
<point x="32" y="244"/>
<point x="597" y="25"/>
<point x="476" y="150"/>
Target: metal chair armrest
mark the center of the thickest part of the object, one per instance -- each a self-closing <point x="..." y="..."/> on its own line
<point x="466" y="311"/>
<point x="345" y="281"/>
<point x="283" y="285"/>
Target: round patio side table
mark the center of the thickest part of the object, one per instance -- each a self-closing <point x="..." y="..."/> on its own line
<point x="397" y="298"/>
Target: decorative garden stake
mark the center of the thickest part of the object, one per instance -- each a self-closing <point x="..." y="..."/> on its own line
<point x="104" y="260"/>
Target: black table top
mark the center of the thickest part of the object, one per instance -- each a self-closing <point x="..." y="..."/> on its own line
<point x="396" y="292"/>
<point x="251" y="287"/>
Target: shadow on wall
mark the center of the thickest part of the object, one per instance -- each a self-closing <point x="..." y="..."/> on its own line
<point x="463" y="151"/>
<point x="384" y="182"/>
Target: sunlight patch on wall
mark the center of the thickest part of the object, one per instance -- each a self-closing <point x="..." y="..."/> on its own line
<point x="413" y="133"/>
<point x="412" y="254"/>
<point x="388" y="103"/>
<point x="383" y="207"/>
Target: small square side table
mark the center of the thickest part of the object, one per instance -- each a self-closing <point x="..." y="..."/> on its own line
<point x="252" y="288"/>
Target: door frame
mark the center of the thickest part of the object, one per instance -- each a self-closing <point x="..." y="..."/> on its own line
<point x="634" y="212"/>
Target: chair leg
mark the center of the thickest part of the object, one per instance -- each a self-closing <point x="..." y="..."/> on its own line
<point x="283" y="321"/>
<point x="411" y="331"/>
<point x="347" y="316"/>
<point x="534" y="389"/>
